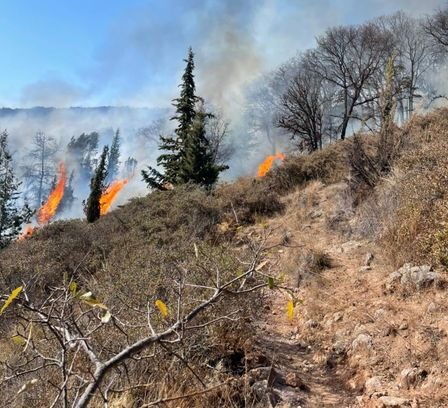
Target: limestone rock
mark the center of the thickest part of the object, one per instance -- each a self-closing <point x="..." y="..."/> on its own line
<point x="363" y="341"/>
<point x="373" y="385"/>
<point x="418" y="277"/>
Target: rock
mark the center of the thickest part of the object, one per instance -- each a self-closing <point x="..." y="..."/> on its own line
<point x="339" y="347"/>
<point x="403" y="326"/>
<point x="363" y="341"/>
<point x="260" y="374"/>
<point x="410" y="377"/>
<point x="259" y="389"/>
<point x="368" y="259"/>
<point x="433" y="308"/>
<point x="394" y="402"/>
<point x="338" y="316"/>
<point x="380" y="314"/>
<point x="418" y="277"/>
<point x="311" y="324"/>
<point x="365" y="269"/>
<point x="373" y="384"/>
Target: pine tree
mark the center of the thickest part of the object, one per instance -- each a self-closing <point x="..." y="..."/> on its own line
<point x="11" y="218"/>
<point x="113" y="161"/>
<point x="187" y="156"/>
<point x="97" y="187"/>
<point x="198" y="165"/>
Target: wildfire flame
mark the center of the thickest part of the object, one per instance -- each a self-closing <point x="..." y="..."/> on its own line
<point x="264" y="167"/>
<point x="110" y="194"/>
<point x="48" y="210"/>
<point x="27" y="232"/>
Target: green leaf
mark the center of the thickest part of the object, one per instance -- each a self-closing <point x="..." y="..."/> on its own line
<point x="11" y="297"/>
<point x="19" y="340"/>
<point x="270" y="282"/>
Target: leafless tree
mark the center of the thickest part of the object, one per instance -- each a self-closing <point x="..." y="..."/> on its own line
<point x="350" y="58"/>
<point x="436" y="26"/>
<point x="218" y="137"/>
<point x="302" y="108"/>
<point x="41" y="168"/>
<point x="413" y="57"/>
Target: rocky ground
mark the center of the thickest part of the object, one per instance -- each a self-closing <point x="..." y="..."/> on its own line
<point x="363" y="334"/>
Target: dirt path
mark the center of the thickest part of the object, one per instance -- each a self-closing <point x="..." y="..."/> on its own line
<point x="310" y="372"/>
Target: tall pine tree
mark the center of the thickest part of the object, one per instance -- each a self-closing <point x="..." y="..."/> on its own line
<point x="113" y="161"/>
<point x="186" y="156"/>
<point x="97" y="187"/>
<point x="11" y="217"/>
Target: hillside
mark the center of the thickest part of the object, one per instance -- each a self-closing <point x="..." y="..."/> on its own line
<point x="331" y="293"/>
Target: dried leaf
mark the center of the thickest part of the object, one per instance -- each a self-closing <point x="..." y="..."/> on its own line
<point x="261" y="265"/>
<point x="162" y="307"/>
<point x="11" y="297"/>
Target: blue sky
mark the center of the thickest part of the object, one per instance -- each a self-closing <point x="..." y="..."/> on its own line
<point x="129" y="52"/>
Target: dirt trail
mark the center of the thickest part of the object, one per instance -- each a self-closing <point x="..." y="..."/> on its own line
<point x="310" y="373"/>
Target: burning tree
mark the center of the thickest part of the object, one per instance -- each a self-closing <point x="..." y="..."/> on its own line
<point x="11" y="218"/>
<point x="188" y="156"/>
<point x="113" y="160"/>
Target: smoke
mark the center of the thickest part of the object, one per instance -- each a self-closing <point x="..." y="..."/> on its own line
<point x="140" y="65"/>
<point x="52" y="92"/>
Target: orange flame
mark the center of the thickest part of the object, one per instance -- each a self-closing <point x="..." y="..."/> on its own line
<point x="110" y="194"/>
<point x="264" y="167"/>
<point x="27" y="232"/>
<point x="48" y="210"/>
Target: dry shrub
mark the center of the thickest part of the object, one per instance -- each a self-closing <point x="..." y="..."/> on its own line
<point x="407" y="212"/>
<point x="327" y="165"/>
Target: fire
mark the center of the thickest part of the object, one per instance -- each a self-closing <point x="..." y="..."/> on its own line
<point x="27" y="232"/>
<point x="110" y="194"/>
<point x="48" y="210"/>
<point x="264" y="167"/>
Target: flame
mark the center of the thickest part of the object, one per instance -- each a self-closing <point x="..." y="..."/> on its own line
<point x="27" y="232"/>
<point x="110" y="194"/>
<point x="48" y="210"/>
<point x="264" y="167"/>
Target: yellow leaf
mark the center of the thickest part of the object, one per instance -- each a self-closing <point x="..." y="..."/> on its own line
<point x="11" y="297"/>
<point x="162" y="307"/>
<point x="19" y="340"/>
<point x="92" y="301"/>
<point x="290" y="309"/>
<point x="73" y="288"/>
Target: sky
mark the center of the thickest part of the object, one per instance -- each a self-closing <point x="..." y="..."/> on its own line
<point x="129" y="52"/>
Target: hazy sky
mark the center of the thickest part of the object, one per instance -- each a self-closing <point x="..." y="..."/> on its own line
<point x="129" y="52"/>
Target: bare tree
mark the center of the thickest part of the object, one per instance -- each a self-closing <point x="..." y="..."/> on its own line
<point x="412" y="55"/>
<point x="217" y="133"/>
<point x="302" y="108"/>
<point x="41" y="169"/>
<point x="350" y="58"/>
<point x="436" y="27"/>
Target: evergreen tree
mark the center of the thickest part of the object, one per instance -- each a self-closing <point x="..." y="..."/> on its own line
<point x="97" y="187"/>
<point x="187" y="155"/>
<point x="82" y="151"/>
<point x="11" y="218"/>
<point x="113" y="161"/>
<point x="197" y="164"/>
